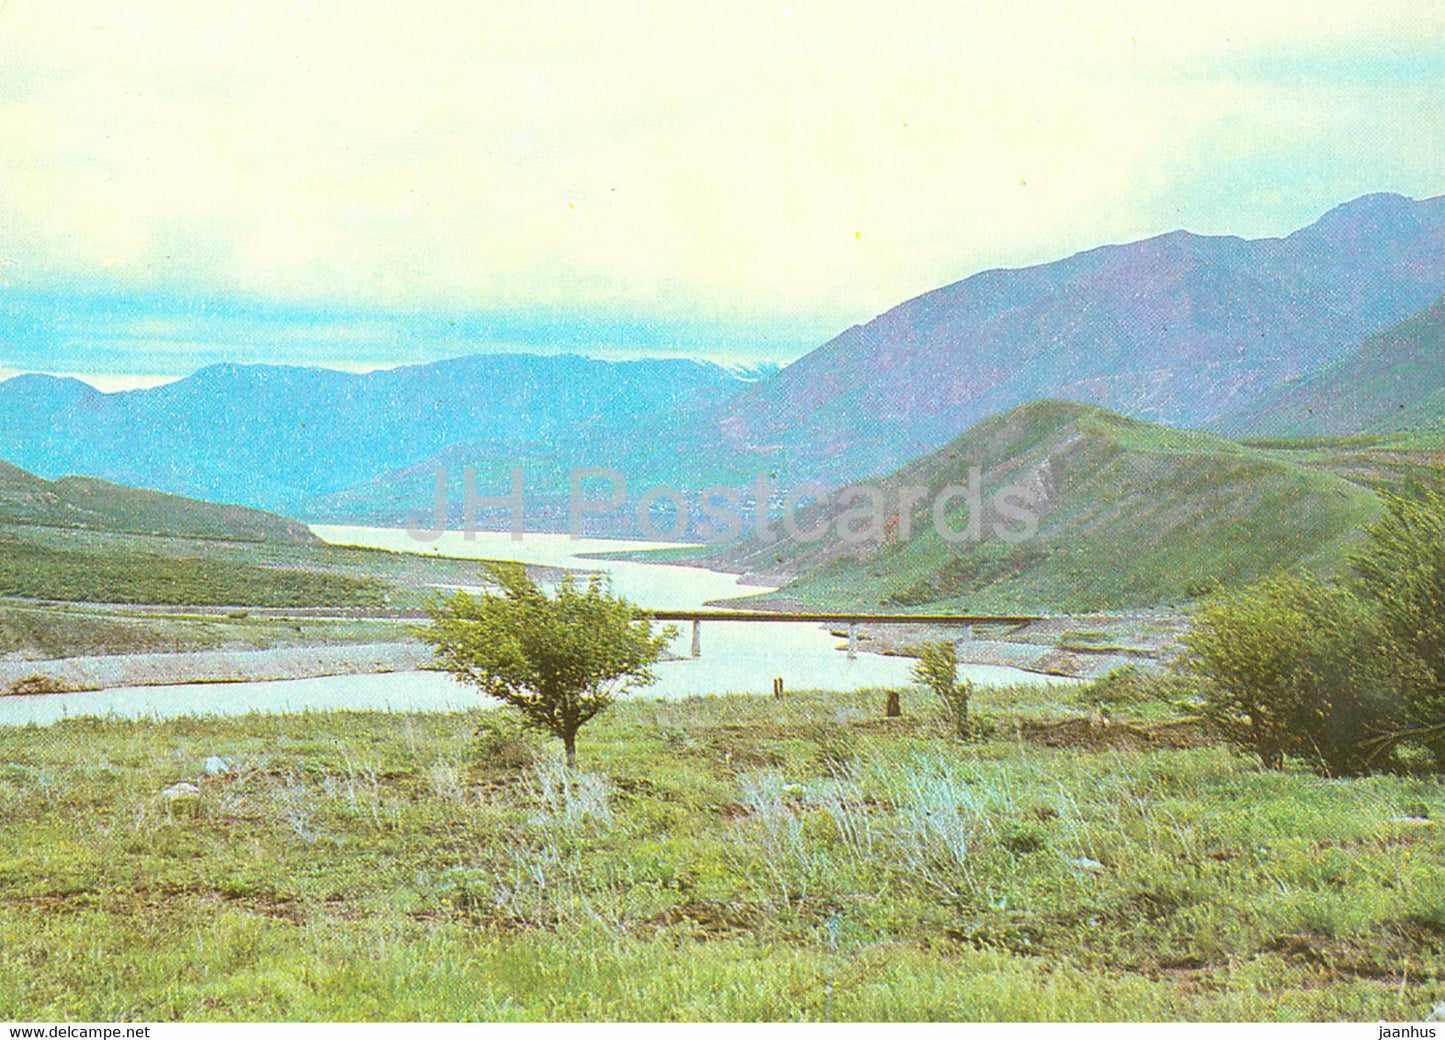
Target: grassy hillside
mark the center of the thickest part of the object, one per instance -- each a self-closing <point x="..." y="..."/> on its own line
<point x="89" y="541"/>
<point x="85" y="503"/>
<point x="1395" y="381"/>
<point x="33" y="571"/>
<point x="1130" y="514"/>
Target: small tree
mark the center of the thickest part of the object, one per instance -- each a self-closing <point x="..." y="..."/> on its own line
<point x="937" y="669"/>
<point x="1295" y="667"/>
<point x="560" y="660"/>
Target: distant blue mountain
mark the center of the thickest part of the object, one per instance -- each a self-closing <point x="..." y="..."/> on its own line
<point x="277" y="437"/>
<point x="1181" y="328"/>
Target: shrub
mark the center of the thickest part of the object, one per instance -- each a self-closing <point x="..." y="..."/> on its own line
<point x="34" y="684"/>
<point x="503" y="742"/>
<point x="1401" y="569"/>
<point x="937" y="669"/>
<point x="1295" y="667"/>
<point x="1130" y="685"/>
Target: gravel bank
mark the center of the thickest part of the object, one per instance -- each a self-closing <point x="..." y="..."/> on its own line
<point x="98" y="673"/>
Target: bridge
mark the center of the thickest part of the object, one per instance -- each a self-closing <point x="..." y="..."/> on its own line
<point x="851" y="619"/>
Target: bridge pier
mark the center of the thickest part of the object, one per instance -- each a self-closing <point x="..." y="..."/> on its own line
<point x="696" y="637"/>
<point x="852" y="640"/>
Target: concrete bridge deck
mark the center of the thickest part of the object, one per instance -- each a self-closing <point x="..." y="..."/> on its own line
<point x="851" y="619"/>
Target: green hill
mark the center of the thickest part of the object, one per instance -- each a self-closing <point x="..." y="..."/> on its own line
<point x="1395" y="381"/>
<point x="1130" y="513"/>
<point x="84" y="503"/>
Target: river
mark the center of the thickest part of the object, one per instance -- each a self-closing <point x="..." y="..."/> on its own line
<point x="737" y="657"/>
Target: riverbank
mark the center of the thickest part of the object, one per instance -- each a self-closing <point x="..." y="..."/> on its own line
<point x="75" y="674"/>
<point x="1078" y="647"/>
<point x="1075" y="646"/>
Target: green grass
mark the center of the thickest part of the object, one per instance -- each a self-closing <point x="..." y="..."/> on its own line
<point x="85" y="503"/>
<point x="719" y="858"/>
<point x="98" y="567"/>
<point x="40" y="572"/>
<point x="1132" y="514"/>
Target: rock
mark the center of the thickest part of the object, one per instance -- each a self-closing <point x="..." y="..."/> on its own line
<point x="216" y="765"/>
<point x="184" y="789"/>
<point x="1085" y="863"/>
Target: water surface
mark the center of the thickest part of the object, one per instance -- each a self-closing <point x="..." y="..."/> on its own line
<point x="737" y="656"/>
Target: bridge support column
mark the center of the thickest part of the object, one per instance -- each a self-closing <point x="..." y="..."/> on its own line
<point x="852" y="640"/>
<point x="697" y="639"/>
<point x="968" y="632"/>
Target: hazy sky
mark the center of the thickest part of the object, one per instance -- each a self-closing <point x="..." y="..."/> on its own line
<point x="737" y="178"/>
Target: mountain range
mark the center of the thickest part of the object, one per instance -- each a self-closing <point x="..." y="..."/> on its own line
<point x="277" y="437"/>
<point x="1183" y="329"/>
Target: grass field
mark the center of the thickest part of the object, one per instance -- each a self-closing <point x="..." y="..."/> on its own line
<point x="720" y="858"/>
<point x="41" y="572"/>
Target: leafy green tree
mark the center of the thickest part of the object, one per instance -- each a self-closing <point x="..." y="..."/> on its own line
<point x="560" y="660"/>
<point x="1401" y="568"/>
<point x="1295" y="667"/>
<point x="937" y="669"/>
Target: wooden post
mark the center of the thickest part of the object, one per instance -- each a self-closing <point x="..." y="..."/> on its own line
<point x="697" y="638"/>
<point x="777" y="687"/>
<point x="892" y="708"/>
<point x="852" y="640"/>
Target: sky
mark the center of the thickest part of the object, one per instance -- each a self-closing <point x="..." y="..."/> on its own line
<point x="366" y="183"/>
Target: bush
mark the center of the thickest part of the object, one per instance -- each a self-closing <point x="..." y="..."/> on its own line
<point x="35" y="684"/>
<point x="1401" y="569"/>
<point x="1296" y="668"/>
<point x="504" y="742"/>
<point x="1130" y="685"/>
<point x="937" y="669"/>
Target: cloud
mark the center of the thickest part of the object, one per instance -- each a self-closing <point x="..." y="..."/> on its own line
<point x="808" y="163"/>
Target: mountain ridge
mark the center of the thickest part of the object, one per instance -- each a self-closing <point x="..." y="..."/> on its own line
<point x="276" y="436"/>
<point x="1180" y="327"/>
<point x="1394" y="382"/>
<point x="1104" y="326"/>
<point x="89" y="504"/>
<point x="1129" y="514"/>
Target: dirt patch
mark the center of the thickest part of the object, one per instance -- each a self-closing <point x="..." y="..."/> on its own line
<point x="1104" y="734"/>
<point x="1391" y="948"/>
<point x="735" y="753"/>
<point x="707" y="920"/>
